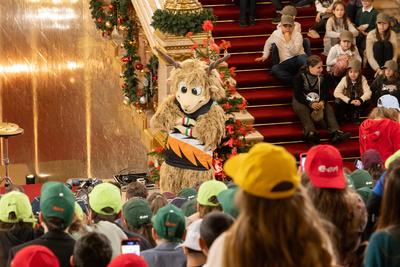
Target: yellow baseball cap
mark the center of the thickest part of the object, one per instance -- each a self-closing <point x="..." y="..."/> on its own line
<point x="266" y="171"/>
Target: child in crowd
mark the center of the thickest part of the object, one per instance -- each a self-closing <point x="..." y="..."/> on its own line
<point x="247" y="13"/>
<point x="136" y="189"/>
<point x="57" y="204"/>
<point x="352" y="7"/>
<point x="16" y="222"/>
<point x="381" y="131"/>
<point x="137" y="216"/>
<point x="340" y="54"/>
<point x="352" y="93"/>
<point x="92" y="249"/>
<point x="207" y="200"/>
<point x="168" y="231"/>
<point x="384" y="245"/>
<point x="212" y="226"/>
<point x="191" y="246"/>
<point x="271" y="199"/>
<point x="381" y="44"/>
<point x="34" y="256"/>
<point x="310" y="102"/>
<point x="387" y="83"/>
<point x="365" y="20"/>
<point x="373" y="164"/>
<point x="78" y="226"/>
<point x="324" y="11"/>
<point x="341" y="206"/>
<point x="157" y="201"/>
<point x="337" y="23"/>
<point x="287" y="46"/>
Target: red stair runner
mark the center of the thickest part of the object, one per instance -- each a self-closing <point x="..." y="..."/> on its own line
<point x="269" y="101"/>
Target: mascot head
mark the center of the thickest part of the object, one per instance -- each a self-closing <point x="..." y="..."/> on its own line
<point x="194" y="82"/>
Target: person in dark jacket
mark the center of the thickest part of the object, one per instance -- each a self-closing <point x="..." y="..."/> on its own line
<point x="57" y="205"/>
<point x="310" y="102"/>
<point x="387" y="83"/>
<point x="16" y="223"/>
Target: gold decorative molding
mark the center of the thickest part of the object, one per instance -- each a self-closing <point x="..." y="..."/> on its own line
<point x="182" y="5"/>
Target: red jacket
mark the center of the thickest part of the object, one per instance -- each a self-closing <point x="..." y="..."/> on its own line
<point x="382" y="135"/>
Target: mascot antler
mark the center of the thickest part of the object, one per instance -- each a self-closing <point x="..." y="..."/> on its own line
<point x="168" y="58"/>
<point x="215" y="64"/>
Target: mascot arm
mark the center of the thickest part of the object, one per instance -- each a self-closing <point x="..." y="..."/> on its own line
<point x="166" y="115"/>
<point x="210" y="127"/>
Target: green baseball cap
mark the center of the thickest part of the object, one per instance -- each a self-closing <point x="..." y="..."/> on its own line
<point x="187" y="193"/>
<point x="56" y="200"/>
<point x="392" y="158"/>
<point x="189" y="207"/>
<point x="209" y="189"/>
<point x="137" y="212"/>
<point x="18" y="203"/>
<point x="361" y="178"/>
<point x="105" y="195"/>
<point x="227" y="200"/>
<point x="350" y="182"/>
<point x="364" y="192"/>
<point x="169" y="223"/>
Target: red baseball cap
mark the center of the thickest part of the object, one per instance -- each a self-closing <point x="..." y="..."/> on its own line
<point x="127" y="260"/>
<point x="324" y="167"/>
<point x="35" y="255"/>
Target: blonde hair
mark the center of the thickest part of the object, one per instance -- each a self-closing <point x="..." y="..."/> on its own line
<point x="384" y="113"/>
<point x="283" y="232"/>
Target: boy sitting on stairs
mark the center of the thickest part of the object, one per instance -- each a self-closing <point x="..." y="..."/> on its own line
<point x="287" y="51"/>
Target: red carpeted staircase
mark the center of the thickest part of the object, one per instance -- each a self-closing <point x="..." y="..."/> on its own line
<point x="269" y="101"/>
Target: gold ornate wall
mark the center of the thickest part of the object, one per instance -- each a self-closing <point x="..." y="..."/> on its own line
<point x="59" y="81"/>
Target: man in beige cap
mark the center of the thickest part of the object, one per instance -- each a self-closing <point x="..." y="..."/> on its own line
<point x="286" y="44"/>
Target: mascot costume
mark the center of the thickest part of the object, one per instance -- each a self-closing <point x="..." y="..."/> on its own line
<point x="194" y="121"/>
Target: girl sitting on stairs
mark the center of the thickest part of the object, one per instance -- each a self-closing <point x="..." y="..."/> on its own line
<point x="310" y="102"/>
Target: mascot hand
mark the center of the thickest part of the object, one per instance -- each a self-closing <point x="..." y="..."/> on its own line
<point x="185" y="121"/>
<point x="186" y="131"/>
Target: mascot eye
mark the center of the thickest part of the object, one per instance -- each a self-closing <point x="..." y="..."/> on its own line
<point x="184" y="89"/>
<point x="196" y="91"/>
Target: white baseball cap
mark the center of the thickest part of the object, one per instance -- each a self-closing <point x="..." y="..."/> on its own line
<point x="388" y="101"/>
<point x="193" y="236"/>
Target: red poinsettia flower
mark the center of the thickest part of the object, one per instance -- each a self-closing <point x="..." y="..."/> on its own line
<point x="227" y="106"/>
<point x="195" y="46"/>
<point x="242" y="105"/>
<point x="150" y="163"/>
<point x="229" y="129"/>
<point x="225" y="44"/>
<point x="232" y="71"/>
<point x="189" y="34"/>
<point x="208" y="25"/>
<point x="222" y="75"/>
<point x="215" y="48"/>
<point x="232" y="89"/>
<point x="159" y="150"/>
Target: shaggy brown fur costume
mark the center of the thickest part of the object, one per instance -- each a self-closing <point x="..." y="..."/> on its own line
<point x="209" y="127"/>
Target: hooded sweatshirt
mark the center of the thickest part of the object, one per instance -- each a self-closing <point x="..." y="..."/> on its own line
<point x="382" y="135"/>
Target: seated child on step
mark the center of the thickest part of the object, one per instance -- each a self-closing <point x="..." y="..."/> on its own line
<point x="310" y="102"/>
<point x="387" y="83"/>
<point x="352" y="93"/>
<point x="287" y="51"/>
<point x="292" y="11"/>
<point x="337" y="23"/>
<point x="381" y="44"/>
<point x="365" y="20"/>
<point x="341" y="53"/>
<point x="324" y="11"/>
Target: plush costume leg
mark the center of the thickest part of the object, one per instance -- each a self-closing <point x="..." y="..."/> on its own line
<point x="173" y="179"/>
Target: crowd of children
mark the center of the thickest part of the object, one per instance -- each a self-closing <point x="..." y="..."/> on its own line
<point x="317" y="214"/>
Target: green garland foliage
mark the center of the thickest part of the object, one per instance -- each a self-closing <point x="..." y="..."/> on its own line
<point x="105" y="17"/>
<point x="180" y="23"/>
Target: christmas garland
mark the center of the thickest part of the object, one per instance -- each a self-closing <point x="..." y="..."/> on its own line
<point x="113" y="15"/>
<point x="104" y="15"/>
<point x="181" y="22"/>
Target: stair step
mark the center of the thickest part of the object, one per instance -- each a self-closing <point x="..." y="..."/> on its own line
<point x="275" y="95"/>
<point x="273" y="114"/>
<point x="349" y="148"/>
<point x="256" y="44"/>
<point x="262" y="11"/>
<point x="262" y="27"/>
<point x="256" y="78"/>
<point x="206" y="3"/>
<point x="246" y="60"/>
<point x="294" y="132"/>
